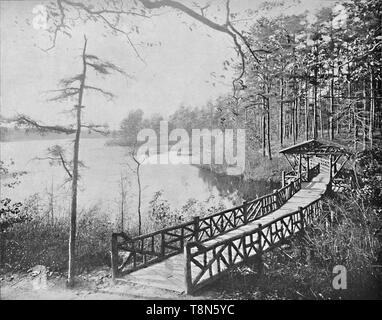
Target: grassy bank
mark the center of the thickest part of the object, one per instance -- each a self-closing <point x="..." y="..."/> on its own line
<point x="257" y="167"/>
<point x="39" y="239"/>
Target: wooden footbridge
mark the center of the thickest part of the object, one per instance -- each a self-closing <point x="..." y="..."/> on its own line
<point x="186" y="257"/>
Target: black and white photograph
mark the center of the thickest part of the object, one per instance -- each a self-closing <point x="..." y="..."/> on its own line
<point x="198" y="152"/>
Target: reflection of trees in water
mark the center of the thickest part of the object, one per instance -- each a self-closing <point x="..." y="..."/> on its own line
<point x="235" y="188"/>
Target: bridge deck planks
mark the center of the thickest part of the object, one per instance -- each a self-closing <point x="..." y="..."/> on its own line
<point x="169" y="274"/>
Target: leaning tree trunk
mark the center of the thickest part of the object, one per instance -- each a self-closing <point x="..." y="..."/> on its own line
<point x="73" y="214"/>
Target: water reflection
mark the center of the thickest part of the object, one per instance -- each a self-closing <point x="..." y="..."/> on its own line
<point x="235" y="188"/>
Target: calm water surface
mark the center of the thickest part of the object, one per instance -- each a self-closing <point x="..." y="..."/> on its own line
<point x="101" y="178"/>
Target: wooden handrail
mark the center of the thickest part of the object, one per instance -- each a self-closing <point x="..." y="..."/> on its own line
<point x="158" y="245"/>
<point x="220" y="252"/>
<point x="249" y="232"/>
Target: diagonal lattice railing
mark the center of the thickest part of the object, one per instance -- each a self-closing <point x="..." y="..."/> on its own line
<point x="130" y="254"/>
<point x="204" y="263"/>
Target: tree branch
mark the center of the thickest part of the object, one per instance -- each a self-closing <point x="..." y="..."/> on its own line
<point x="24" y="120"/>
<point x="96" y="128"/>
<point x="106" y="93"/>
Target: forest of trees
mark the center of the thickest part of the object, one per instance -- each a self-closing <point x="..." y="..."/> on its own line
<point x="315" y="77"/>
<point x="319" y="77"/>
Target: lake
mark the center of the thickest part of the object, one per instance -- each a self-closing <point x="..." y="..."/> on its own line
<point x="100" y="182"/>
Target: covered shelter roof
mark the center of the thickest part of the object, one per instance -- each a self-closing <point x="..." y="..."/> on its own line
<point x="315" y="147"/>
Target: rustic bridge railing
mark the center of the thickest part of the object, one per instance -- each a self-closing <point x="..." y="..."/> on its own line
<point x="205" y="263"/>
<point x="142" y="251"/>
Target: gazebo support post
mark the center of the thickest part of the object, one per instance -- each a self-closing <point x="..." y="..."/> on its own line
<point x="299" y="165"/>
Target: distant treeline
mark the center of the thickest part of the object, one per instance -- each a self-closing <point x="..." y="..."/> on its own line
<point x="21" y="134"/>
<point x="188" y="118"/>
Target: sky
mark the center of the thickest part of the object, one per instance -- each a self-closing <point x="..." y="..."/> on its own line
<point x="178" y="70"/>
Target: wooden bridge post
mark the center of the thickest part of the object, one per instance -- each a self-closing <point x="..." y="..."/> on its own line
<point x="302" y="233"/>
<point x="114" y="257"/>
<point x="330" y="167"/>
<point x="299" y="165"/>
<point x="329" y="187"/>
<point x="283" y="178"/>
<point x="307" y="169"/>
<point x="187" y="268"/>
<point x="162" y="245"/>
<point x="260" y="266"/>
<point x="301" y="212"/>
<point x="196" y="228"/>
<point x="245" y="212"/>
<point x="275" y="199"/>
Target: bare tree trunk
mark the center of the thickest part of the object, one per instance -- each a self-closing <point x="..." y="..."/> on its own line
<point x="293" y="114"/>
<point x="372" y="109"/>
<point x="263" y="132"/>
<point x="263" y="124"/>
<point x="73" y="215"/>
<point x="306" y="110"/>
<point x="321" y="124"/>
<point x="355" y="133"/>
<point x="337" y="96"/>
<point x="281" y="111"/>
<point x="139" y="199"/>
<point x="52" y="201"/>
<point x="315" y="102"/>
<point x="297" y="115"/>
<point x="331" y="124"/>
<point x="350" y="109"/>
<point x="364" y="116"/>
<point x="269" y="130"/>
<point x="123" y="197"/>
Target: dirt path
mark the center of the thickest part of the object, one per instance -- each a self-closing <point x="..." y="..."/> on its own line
<point x="38" y="284"/>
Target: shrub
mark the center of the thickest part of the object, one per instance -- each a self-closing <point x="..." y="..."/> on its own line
<point x="162" y="215"/>
<point x="39" y="241"/>
<point x="303" y="268"/>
